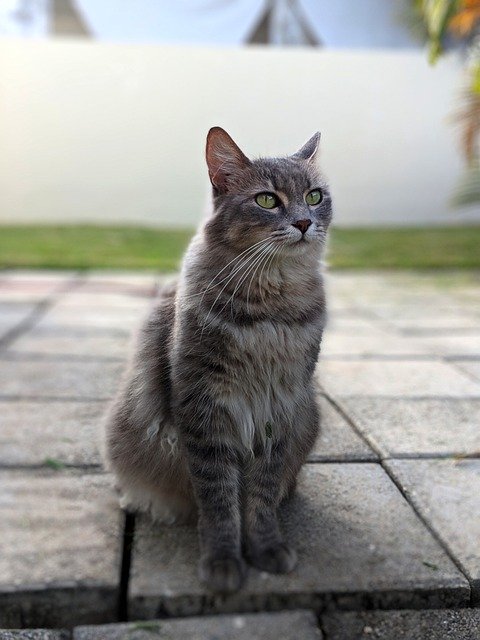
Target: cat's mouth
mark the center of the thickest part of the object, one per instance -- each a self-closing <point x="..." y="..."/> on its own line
<point x="296" y="241"/>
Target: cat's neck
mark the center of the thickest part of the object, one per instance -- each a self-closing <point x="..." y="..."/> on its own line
<point x="254" y="282"/>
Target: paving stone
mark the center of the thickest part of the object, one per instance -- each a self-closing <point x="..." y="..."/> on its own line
<point x="52" y="276"/>
<point x="135" y="283"/>
<point x="395" y="378"/>
<point x="96" y="315"/>
<point x="33" y="287"/>
<point x="50" y="433"/>
<point x="401" y="427"/>
<point x="61" y="542"/>
<point x="447" y="312"/>
<point x="472" y="368"/>
<point x="447" y="493"/>
<point x="351" y="323"/>
<point x="422" y="321"/>
<point x="375" y="343"/>
<point x="387" y="291"/>
<point x="457" y="345"/>
<point x="12" y="314"/>
<point x="79" y="300"/>
<point x="81" y="341"/>
<point x="460" y="624"/>
<point x="292" y="625"/>
<point x="34" y="634"/>
<point x="59" y="379"/>
<point x="93" y="317"/>
<point x="337" y="439"/>
<point x="358" y="540"/>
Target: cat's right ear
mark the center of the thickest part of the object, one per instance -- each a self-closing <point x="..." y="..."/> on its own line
<point x="309" y="151"/>
<point x="225" y="160"/>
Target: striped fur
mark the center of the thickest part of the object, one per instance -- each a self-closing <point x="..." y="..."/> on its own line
<point x="217" y="413"/>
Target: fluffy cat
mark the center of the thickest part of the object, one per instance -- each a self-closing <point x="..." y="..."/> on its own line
<point x="218" y="411"/>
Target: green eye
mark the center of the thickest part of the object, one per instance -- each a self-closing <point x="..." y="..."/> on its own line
<point x="266" y="200"/>
<point x="314" y="197"/>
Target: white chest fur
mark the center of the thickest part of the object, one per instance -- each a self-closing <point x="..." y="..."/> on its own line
<point x="269" y="379"/>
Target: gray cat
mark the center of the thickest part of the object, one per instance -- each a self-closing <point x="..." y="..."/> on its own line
<point x="218" y="412"/>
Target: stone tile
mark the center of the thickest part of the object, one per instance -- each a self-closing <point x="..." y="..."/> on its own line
<point x="414" y="320"/>
<point x="60" y="318"/>
<point x="122" y="293"/>
<point x="292" y="625"/>
<point x="31" y="286"/>
<point x="447" y="493"/>
<point x="401" y="427"/>
<point x="401" y="378"/>
<point x="132" y="282"/>
<point x="448" y="309"/>
<point x="50" y="433"/>
<point x="376" y="343"/>
<point x="337" y="439"/>
<point x="81" y="300"/>
<point x="52" y="276"/>
<point x="458" y="345"/>
<point x="34" y="634"/>
<point x="88" y="342"/>
<point x="61" y="542"/>
<point x="12" y="314"/>
<point x="351" y="323"/>
<point x="377" y="291"/>
<point x="59" y="379"/>
<point x="358" y="542"/>
<point x="471" y="368"/>
<point x="447" y="624"/>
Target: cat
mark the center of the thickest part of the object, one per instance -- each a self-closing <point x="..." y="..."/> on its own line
<point x="218" y="412"/>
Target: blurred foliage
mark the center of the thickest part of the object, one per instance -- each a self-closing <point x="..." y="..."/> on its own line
<point x="445" y="24"/>
<point x="93" y="247"/>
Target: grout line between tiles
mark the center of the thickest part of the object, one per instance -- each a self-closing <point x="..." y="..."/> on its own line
<point x="39" y="310"/>
<point x="15" y="397"/>
<point x="125" y="566"/>
<point x="433" y="532"/>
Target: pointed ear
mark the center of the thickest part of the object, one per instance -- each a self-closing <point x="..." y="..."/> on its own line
<point x="225" y="159"/>
<point x="309" y="151"/>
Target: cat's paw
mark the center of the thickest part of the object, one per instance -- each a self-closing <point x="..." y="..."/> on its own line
<point x="278" y="558"/>
<point x="222" y="575"/>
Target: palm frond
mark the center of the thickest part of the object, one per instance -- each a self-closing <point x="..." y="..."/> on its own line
<point x="468" y="191"/>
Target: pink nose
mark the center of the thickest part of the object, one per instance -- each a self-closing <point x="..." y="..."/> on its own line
<point x="302" y="224"/>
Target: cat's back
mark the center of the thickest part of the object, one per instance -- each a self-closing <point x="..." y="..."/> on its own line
<point x="155" y="337"/>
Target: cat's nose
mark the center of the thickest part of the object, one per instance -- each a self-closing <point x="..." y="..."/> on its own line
<point x="302" y="225"/>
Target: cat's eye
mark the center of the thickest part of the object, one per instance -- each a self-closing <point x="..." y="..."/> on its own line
<point x="267" y="200"/>
<point x="314" y="197"/>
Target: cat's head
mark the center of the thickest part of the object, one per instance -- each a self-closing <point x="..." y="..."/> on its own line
<point x="284" y="200"/>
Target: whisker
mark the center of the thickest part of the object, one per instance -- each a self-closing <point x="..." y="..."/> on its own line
<point x="246" y="262"/>
<point x="266" y="257"/>
<point x="258" y="259"/>
<point x="266" y="268"/>
<point x="192" y="295"/>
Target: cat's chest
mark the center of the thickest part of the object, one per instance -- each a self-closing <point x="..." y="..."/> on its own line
<point x="274" y="345"/>
<point x="267" y="377"/>
<point x="270" y="357"/>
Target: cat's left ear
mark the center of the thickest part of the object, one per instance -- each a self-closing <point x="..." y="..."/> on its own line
<point x="309" y="151"/>
<point x="225" y="160"/>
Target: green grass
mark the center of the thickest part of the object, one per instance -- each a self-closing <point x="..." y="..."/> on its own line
<point x="87" y="247"/>
<point x="53" y="463"/>
<point x="406" y="248"/>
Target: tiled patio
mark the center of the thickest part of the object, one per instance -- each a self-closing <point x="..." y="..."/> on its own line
<point x="387" y="515"/>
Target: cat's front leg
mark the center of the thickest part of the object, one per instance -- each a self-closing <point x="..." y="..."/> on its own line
<point x="265" y="478"/>
<point x="215" y="475"/>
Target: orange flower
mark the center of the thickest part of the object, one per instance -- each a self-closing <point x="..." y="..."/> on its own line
<point x="464" y="21"/>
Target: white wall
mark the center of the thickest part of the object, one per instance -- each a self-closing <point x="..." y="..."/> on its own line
<point x="110" y="133"/>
